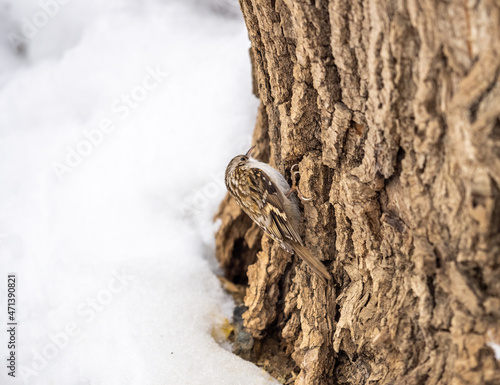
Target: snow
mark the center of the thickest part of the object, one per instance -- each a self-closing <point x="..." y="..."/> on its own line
<point x="118" y="119"/>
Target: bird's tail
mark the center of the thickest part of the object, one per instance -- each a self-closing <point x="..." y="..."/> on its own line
<point x="313" y="262"/>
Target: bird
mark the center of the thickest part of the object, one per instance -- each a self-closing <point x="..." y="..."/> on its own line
<point x="265" y="196"/>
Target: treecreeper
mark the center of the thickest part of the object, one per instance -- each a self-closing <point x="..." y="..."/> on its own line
<point x="266" y="197"/>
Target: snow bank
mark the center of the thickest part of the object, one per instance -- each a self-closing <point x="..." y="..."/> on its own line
<point x="117" y="123"/>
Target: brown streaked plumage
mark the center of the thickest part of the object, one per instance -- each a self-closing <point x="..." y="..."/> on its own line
<point x="261" y="191"/>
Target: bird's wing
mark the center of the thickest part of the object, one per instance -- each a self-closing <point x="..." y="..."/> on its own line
<point x="272" y="203"/>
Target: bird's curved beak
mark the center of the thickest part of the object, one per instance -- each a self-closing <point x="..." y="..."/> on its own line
<point x="249" y="152"/>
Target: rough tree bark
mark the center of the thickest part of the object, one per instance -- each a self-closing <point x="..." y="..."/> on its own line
<point x="392" y="110"/>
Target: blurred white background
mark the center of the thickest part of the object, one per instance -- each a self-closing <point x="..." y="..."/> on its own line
<point x="117" y="119"/>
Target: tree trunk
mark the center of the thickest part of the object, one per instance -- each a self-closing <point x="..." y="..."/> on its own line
<point x="392" y="111"/>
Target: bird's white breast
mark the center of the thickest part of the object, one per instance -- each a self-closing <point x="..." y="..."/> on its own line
<point x="274" y="174"/>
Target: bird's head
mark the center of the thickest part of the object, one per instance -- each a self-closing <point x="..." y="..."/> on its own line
<point x="238" y="161"/>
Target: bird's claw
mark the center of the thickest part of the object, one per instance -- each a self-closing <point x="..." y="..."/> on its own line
<point x="294" y="183"/>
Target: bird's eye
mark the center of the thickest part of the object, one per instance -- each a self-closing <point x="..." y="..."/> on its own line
<point x="243" y="158"/>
